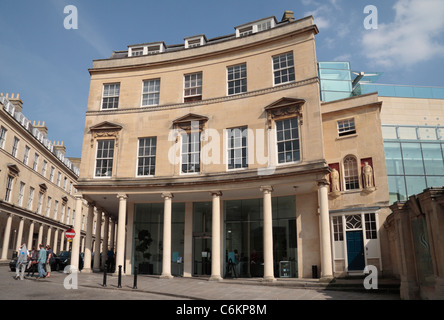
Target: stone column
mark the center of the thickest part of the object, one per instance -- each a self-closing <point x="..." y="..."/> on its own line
<point x="97" y="244"/>
<point x="215" y="237"/>
<point x="62" y="241"/>
<point x="166" y="259"/>
<point x="20" y="234"/>
<point x="30" y="235"/>
<point x="40" y="237"/>
<point x="48" y="236"/>
<point x="188" y="239"/>
<point x="56" y="240"/>
<point x="268" y="234"/>
<point x="88" y="239"/>
<point x="326" y="259"/>
<point x="113" y="231"/>
<point x="105" y="239"/>
<point x="75" y="251"/>
<point x="120" y="251"/>
<point x="6" y="237"/>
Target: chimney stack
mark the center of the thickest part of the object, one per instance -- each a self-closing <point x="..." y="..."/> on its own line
<point x="42" y="128"/>
<point x="288" y="16"/>
<point x="59" y="147"/>
<point x="15" y="100"/>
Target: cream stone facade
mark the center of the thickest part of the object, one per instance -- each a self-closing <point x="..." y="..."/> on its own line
<point x="215" y="159"/>
<point x="38" y="191"/>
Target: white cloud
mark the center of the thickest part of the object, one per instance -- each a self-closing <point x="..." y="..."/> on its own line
<point x="411" y="38"/>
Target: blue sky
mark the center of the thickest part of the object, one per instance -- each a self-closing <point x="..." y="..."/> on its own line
<point x="48" y="64"/>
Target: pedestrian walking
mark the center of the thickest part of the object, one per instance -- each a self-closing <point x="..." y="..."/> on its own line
<point x="41" y="262"/>
<point x="49" y="260"/>
<point x="22" y="262"/>
<point x="32" y="265"/>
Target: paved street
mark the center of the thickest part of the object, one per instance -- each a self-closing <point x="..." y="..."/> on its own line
<point x="153" y="288"/>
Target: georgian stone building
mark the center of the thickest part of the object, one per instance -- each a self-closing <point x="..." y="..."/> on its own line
<point x="215" y="157"/>
<point x="37" y="193"/>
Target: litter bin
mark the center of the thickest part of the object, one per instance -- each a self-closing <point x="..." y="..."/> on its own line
<point x="314" y="271"/>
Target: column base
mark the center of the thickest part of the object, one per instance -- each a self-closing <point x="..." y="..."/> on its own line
<point x="89" y="270"/>
<point x="215" y="278"/>
<point x="166" y="276"/>
<point x="269" y="279"/>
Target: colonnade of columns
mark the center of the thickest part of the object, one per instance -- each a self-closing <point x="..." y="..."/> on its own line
<point x="216" y="267"/>
<point x="52" y="240"/>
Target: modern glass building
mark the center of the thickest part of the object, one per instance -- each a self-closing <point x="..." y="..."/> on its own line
<point x="415" y="159"/>
<point x="414" y="151"/>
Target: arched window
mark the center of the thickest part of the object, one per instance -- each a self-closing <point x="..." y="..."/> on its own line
<point x="351" y="173"/>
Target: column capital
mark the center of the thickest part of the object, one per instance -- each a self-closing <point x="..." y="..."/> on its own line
<point x="167" y="195"/>
<point x="78" y="197"/>
<point x="216" y="193"/>
<point x="122" y="196"/>
<point x="323" y="182"/>
<point x="266" y="189"/>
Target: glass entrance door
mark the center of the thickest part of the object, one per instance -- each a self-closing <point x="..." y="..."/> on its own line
<point x="202" y="255"/>
<point x="202" y="219"/>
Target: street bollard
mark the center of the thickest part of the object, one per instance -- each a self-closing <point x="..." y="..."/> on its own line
<point x="119" y="282"/>
<point x="104" y="277"/>
<point x="135" y="278"/>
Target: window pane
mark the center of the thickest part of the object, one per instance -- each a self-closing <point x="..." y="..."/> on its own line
<point x="415" y="185"/>
<point x="412" y="158"/>
<point x="393" y="158"/>
<point x="433" y="159"/>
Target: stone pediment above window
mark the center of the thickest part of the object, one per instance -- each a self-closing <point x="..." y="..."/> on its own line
<point x="284" y="108"/>
<point x="105" y="130"/>
<point x="190" y="122"/>
<point x="13" y="170"/>
<point x="43" y="187"/>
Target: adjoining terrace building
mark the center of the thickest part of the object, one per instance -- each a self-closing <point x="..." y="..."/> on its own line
<point x="413" y="132"/>
<point x="216" y="157"/>
<point x="37" y="193"/>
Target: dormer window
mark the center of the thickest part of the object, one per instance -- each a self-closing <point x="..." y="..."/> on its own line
<point x="145" y="49"/>
<point x="137" y="52"/>
<point x="255" y="26"/>
<point x="195" y="41"/>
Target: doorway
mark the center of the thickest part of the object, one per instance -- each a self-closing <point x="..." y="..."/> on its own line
<point x="355" y="251"/>
<point x="202" y="224"/>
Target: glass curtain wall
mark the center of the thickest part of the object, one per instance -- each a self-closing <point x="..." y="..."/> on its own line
<point x="414" y="158"/>
<point x="244" y="237"/>
<point x="148" y="238"/>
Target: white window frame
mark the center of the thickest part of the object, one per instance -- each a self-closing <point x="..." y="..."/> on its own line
<point x="44" y="166"/>
<point x="281" y="69"/>
<point x="56" y="209"/>
<point x="151" y="95"/>
<point x="241" y="79"/>
<point x="193" y="84"/>
<point x="346" y="127"/>
<point x="51" y="174"/>
<point x="26" y="155"/>
<point x="20" y="194"/>
<point x="111" y="96"/>
<point x="150" y="156"/>
<point x="48" y="206"/>
<point x="103" y="159"/>
<point x="243" y="137"/>
<point x="15" y="147"/>
<point x="36" y="162"/>
<point x="347" y="174"/>
<point x="3" y="132"/>
<point x="9" y="186"/>
<point x="285" y="140"/>
<point x="40" y="203"/>
<point x="189" y="153"/>
<point x="30" y="198"/>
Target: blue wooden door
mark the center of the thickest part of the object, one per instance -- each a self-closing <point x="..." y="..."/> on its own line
<point x="355" y="250"/>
